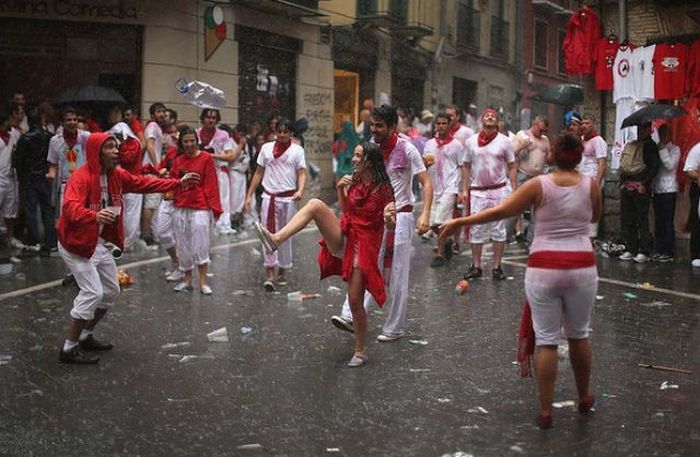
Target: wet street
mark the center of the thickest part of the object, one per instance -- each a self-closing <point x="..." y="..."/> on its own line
<point x="280" y="385"/>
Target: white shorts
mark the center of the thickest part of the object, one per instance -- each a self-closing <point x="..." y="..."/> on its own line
<point x="442" y="208"/>
<point x="152" y="201"/>
<point x="8" y="199"/>
<point x="496" y="231"/>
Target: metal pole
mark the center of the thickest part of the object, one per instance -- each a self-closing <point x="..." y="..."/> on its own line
<point x="623" y="19"/>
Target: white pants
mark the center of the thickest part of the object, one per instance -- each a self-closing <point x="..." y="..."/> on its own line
<point x="397" y="293"/>
<point x="284" y="211"/>
<point x="97" y="279"/>
<point x="224" y="222"/>
<point x="132" y="219"/>
<point x="238" y="189"/>
<point x="192" y="237"/>
<point x="566" y="304"/>
<point x="8" y="198"/>
<point x="163" y="226"/>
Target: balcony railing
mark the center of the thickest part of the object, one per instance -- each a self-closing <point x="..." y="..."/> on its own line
<point x="381" y="13"/>
<point x="468" y="27"/>
<point x="500" y="34"/>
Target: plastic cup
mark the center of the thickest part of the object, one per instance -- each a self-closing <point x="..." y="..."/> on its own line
<point x="218" y="335"/>
<point x="116" y="210"/>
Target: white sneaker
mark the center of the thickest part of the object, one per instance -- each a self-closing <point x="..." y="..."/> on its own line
<point x="386" y="338"/>
<point x="695" y="263"/>
<point x="626" y="256"/>
<point x="182" y="287"/>
<point x="641" y="258"/>
<point x="206" y="290"/>
<point x="175" y="275"/>
<point x="16" y="244"/>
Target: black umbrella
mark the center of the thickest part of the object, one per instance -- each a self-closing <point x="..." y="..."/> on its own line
<point x="99" y="94"/>
<point x="653" y="112"/>
<point x="561" y="94"/>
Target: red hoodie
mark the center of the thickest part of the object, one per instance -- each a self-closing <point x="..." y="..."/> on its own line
<point x="77" y="227"/>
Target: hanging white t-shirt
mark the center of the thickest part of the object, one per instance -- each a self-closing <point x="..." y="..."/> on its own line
<point x="643" y="73"/>
<point x="488" y="164"/>
<point x="404" y="162"/>
<point x="281" y="173"/>
<point x="445" y="172"/>
<point x="623" y="81"/>
<point x="593" y="149"/>
<point x="153" y="131"/>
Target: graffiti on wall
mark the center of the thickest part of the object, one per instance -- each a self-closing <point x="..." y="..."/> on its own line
<point x="317" y="108"/>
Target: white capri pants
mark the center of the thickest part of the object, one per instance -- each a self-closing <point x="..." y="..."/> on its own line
<point x="442" y="208"/>
<point x="496" y="231"/>
<point x="192" y="237"/>
<point x="224" y="222"/>
<point x="132" y="218"/>
<point x="563" y="303"/>
<point x="97" y="279"/>
<point x="284" y="211"/>
<point x="163" y="225"/>
<point x="398" y="279"/>
<point x="238" y="189"/>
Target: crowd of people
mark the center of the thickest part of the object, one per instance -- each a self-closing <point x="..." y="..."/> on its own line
<point x="164" y="183"/>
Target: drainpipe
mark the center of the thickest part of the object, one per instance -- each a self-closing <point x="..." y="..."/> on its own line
<point x="622" y="9"/>
<point x="519" y="75"/>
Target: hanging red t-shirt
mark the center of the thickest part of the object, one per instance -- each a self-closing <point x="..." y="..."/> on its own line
<point x="603" y="61"/>
<point x="670" y="63"/>
<point x="692" y="76"/>
<point x="582" y="33"/>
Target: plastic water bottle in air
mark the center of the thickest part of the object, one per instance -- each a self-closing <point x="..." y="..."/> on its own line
<point x="201" y="94"/>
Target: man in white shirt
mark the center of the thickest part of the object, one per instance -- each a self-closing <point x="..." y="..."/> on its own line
<point x="154" y="152"/>
<point x="458" y="131"/>
<point x="594" y="159"/>
<point x="443" y="156"/>
<point x="692" y="171"/>
<point x="8" y="181"/>
<point x="665" y="193"/>
<point x="282" y="171"/>
<point x="238" y="170"/>
<point x="489" y="163"/>
<point x="403" y="162"/>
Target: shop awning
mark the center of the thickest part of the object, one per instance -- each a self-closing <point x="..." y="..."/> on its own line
<point x="289" y="8"/>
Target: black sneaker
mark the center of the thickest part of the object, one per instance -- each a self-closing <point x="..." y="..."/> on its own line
<point x="77" y="356"/>
<point x="455" y="248"/>
<point x="437" y="262"/>
<point x="498" y="274"/>
<point x="448" y="249"/>
<point x="90" y="344"/>
<point x="68" y="280"/>
<point x="473" y="273"/>
<point x="150" y="241"/>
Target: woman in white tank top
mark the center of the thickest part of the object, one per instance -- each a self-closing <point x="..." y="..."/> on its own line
<point x="561" y="280"/>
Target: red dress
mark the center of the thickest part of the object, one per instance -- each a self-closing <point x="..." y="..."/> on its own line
<point x="362" y="225"/>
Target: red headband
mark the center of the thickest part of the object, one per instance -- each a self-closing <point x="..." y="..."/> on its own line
<point x="489" y="110"/>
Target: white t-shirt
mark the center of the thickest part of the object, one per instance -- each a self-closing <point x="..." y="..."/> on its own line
<point x="281" y="173"/>
<point x="153" y="131"/>
<point x="623" y="68"/>
<point x="666" y="180"/>
<point x="692" y="162"/>
<point x="643" y="73"/>
<point x="463" y="133"/>
<point x="57" y="154"/>
<point x="445" y="173"/>
<point x="404" y="162"/>
<point x="219" y="143"/>
<point x="488" y="164"/>
<point x="593" y="149"/>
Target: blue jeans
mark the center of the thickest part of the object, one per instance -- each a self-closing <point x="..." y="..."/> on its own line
<point x="35" y="192"/>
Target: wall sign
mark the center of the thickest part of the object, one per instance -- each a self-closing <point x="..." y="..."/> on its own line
<point x="71" y="9"/>
<point x="214" y="30"/>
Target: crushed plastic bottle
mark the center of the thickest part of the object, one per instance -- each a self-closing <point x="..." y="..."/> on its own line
<point x="201" y="94"/>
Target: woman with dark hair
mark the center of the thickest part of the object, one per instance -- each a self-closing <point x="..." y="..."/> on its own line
<point x="561" y="280"/>
<point x="194" y="207"/>
<point x="350" y="247"/>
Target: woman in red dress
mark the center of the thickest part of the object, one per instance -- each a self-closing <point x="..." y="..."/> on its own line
<point x="350" y="247"/>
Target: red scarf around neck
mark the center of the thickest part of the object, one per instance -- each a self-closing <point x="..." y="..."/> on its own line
<point x="280" y="148"/>
<point x="205" y="136"/>
<point x="70" y="138"/>
<point x="486" y="137"/>
<point x="454" y="129"/>
<point x="590" y="135"/>
<point x="387" y="146"/>
<point x="440" y="142"/>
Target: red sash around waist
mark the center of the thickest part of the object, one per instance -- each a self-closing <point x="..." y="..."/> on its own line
<point x="492" y="187"/>
<point x="271" y="226"/>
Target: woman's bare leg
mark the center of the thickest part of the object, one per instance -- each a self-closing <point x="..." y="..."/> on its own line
<point x="546" y="373"/>
<point x="356" y="297"/>
<point x="580" y="357"/>
<point x="327" y="222"/>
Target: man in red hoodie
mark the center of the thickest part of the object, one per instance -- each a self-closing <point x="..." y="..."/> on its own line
<point x="90" y="218"/>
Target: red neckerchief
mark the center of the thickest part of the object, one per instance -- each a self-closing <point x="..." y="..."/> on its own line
<point x="486" y="137"/>
<point x="387" y="146"/>
<point x="70" y="138"/>
<point x="280" y="148"/>
<point x="591" y="135"/>
<point x="205" y="136"/>
<point x="454" y="129"/>
<point x="5" y="135"/>
<point x="440" y="142"/>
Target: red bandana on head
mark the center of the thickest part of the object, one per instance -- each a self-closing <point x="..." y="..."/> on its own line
<point x="280" y="148"/>
<point x="486" y="137"/>
<point x="388" y="145"/>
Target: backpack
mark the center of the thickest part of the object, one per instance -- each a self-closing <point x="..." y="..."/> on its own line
<point x="632" y="160"/>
